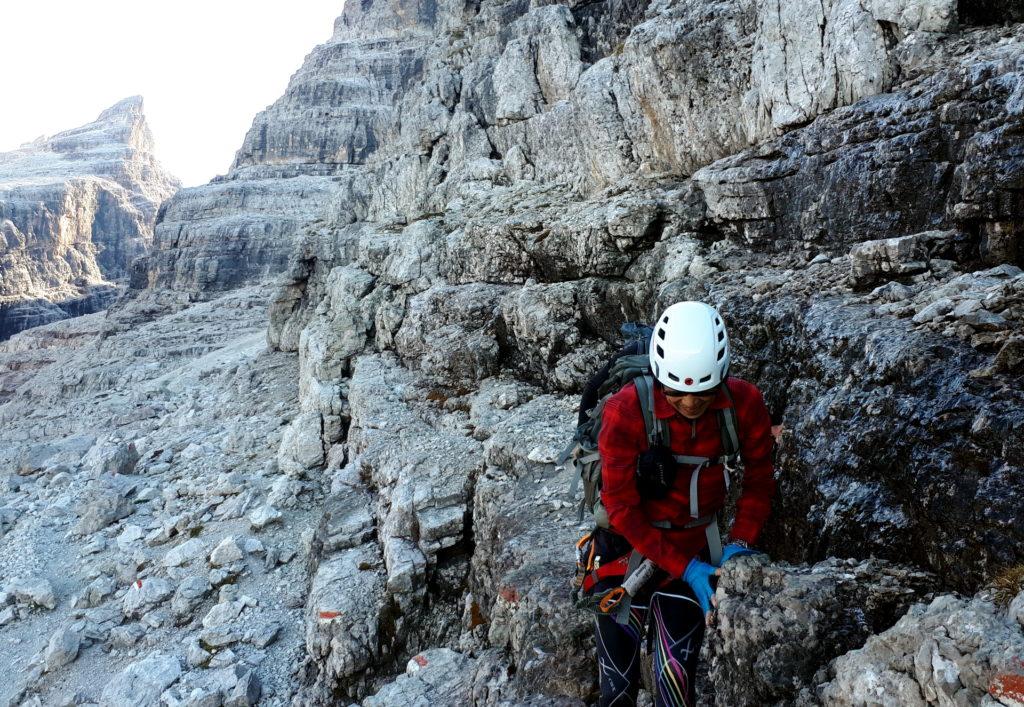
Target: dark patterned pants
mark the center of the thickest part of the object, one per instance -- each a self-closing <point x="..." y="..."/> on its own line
<point x="676" y="629"/>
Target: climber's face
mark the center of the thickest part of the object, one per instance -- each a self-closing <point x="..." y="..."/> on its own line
<point x="690" y="405"/>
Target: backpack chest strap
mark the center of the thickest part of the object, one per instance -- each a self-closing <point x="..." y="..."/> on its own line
<point x="700" y="464"/>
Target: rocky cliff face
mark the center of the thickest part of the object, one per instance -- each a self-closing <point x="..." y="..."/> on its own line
<point x="76" y="209"/>
<point x="338" y="109"/>
<point x="864" y="248"/>
<point x="405" y="108"/>
<point x="463" y="203"/>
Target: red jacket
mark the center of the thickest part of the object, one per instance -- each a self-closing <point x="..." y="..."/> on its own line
<point x="623" y="438"/>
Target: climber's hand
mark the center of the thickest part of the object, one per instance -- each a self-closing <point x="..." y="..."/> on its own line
<point x="698" y="575"/>
<point x="733" y="550"/>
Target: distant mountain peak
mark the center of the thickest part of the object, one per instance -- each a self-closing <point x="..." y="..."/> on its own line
<point x="79" y="207"/>
<point x="131" y="106"/>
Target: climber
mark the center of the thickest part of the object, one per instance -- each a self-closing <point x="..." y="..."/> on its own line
<point x="662" y="482"/>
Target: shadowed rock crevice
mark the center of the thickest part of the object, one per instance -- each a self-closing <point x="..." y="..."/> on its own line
<point x="990" y="12"/>
<point x="605" y="24"/>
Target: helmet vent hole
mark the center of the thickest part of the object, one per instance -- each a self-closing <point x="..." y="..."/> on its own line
<point x="718" y="322"/>
<point x="674" y="377"/>
<point x="706" y="378"/>
<point x="661" y="334"/>
<point x="721" y="353"/>
<point x="661" y="351"/>
<point x="721" y="335"/>
<point x="665" y="320"/>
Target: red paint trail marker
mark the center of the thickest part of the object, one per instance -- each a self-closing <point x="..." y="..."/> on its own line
<point x="1007" y="686"/>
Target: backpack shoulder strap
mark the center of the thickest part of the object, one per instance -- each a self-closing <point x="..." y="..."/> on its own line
<point x="729" y="427"/>
<point x="657" y="430"/>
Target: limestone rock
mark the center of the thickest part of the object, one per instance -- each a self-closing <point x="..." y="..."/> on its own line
<point x="523" y="549"/>
<point x="114" y="458"/>
<point x="438" y="676"/>
<point x="264" y="635"/>
<point x="33" y="591"/>
<point x="428" y="472"/>
<point x="226" y="553"/>
<point x="1016" y="609"/>
<point x="983" y="320"/>
<point x="75" y="209"/>
<point x="934" y="310"/>
<point x="264" y="516"/>
<point x="745" y="190"/>
<point x="145" y="594"/>
<point x="343" y="619"/>
<point x="196" y="655"/>
<point x="142" y="682"/>
<point x="62" y="649"/>
<point x="223" y="613"/>
<point x="779" y="625"/>
<point x="895" y="257"/>
<point x="218" y="636"/>
<point x="131" y="535"/>
<point x="302" y="448"/>
<point x="104" y="501"/>
<point x="1010" y="358"/>
<point x="949" y="651"/>
<point x="189" y="594"/>
<point x="185" y="553"/>
<point x="453" y="332"/>
<point x="95" y="592"/>
<point x="246" y="691"/>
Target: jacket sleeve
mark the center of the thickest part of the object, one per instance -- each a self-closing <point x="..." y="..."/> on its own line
<point x="620" y="443"/>
<point x="755" y="503"/>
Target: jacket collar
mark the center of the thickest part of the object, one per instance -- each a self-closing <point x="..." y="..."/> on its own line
<point x="664" y="410"/>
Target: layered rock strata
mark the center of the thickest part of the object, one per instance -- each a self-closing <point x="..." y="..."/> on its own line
<point x="407" y="108"/>
<point x="338" y="109"/>
<point x="76" y="209"/>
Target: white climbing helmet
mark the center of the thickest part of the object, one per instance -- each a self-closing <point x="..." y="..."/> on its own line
<point x="689" y="348"/>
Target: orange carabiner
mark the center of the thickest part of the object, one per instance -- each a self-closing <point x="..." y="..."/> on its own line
<point x="588" y="565"/>
<point x="611" y="600"/>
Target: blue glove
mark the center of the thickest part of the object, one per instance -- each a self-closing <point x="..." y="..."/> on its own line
<point x="698" y="575"/>
<point x="732" y="550"/>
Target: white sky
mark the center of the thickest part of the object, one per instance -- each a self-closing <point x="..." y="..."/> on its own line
<point x="204" y="68"/>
